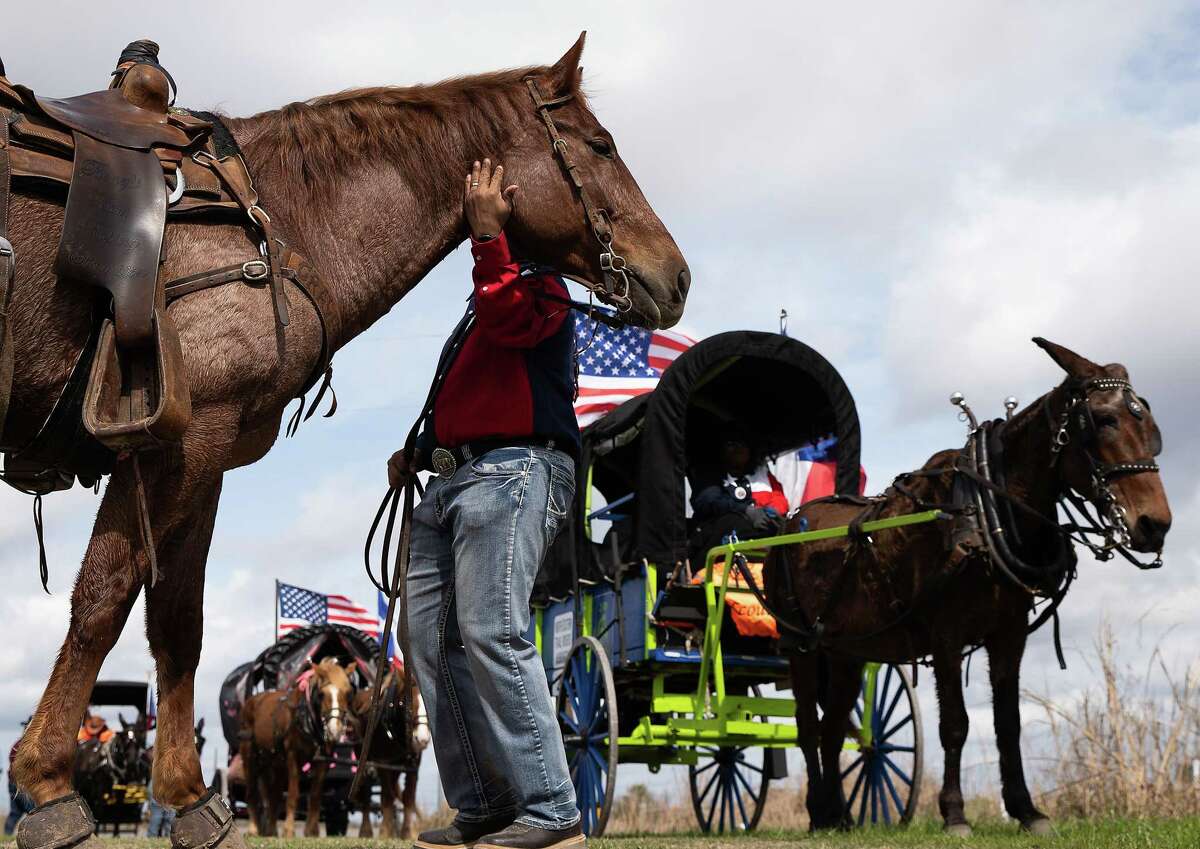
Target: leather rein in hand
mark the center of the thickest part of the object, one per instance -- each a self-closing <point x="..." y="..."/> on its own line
<point x="395" y="584"/>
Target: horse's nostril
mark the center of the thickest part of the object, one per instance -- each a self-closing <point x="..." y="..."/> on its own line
<point x="1152" y="531"/>
<point x="683" y="283"/>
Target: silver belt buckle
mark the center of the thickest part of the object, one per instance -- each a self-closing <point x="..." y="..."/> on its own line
<point x="443" y="462"/>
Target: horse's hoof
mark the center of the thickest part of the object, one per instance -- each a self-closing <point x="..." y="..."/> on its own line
<point x="206" y="822"/>
<point x="958" y="829"/>
<point x="61" y="823"/>
<point x="1039" y="826"/>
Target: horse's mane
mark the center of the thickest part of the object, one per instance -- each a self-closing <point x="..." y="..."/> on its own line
<point x="426" y="131"/>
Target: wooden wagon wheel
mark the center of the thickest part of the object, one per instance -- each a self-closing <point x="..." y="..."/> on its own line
<point x="885" y="777"/>
<point x="587" y="713"/>
<point x="729" y="793"/>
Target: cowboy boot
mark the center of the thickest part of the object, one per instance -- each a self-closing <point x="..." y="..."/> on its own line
<point x="59" y="824"/>
<point x="206" y="823"/>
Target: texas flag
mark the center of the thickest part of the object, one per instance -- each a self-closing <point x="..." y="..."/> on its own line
<point x="810" y="472"/>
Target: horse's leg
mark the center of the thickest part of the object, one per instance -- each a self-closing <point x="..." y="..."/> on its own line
<point x="390" y="795"/>
<point x="1005" y="649"/>
<point x="113" y="571"/>
<point x="293" y="793"/>
<point x="253" y="793"/>
<point x="808" y="734"/>
<point x="408" y="830"/>
<point x="366" y="830"/>
<point x="175" y="629"/>
<point x="316" y="782"/>
<point x="952" y="728"/>
<point x="845" y="683"/>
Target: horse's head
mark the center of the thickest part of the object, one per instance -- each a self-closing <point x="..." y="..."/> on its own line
<point x="331" y="694"/>
<point x="550" y="222"/>
<point x="1108" y="439"/>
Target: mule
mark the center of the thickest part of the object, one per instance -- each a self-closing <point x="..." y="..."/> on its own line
<point x="932" y="590"/>
<point x="293" y="730"/>
<point x="367" y="185"/>
<point x="395" y="753"/>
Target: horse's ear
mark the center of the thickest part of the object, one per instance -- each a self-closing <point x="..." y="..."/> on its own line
<point x="350" y="668"/>
<point x="1078" y="367"/>
<point x="565" y="74"/>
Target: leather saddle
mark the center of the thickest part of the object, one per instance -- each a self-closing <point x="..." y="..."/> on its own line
<point x="127" y="161"/>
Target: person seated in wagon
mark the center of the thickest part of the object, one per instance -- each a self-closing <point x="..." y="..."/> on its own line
<point x="741" y="496"/>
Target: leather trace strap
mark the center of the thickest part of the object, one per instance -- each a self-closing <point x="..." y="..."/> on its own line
<point x="58" y="824"/>
<point x="615" y="289"/>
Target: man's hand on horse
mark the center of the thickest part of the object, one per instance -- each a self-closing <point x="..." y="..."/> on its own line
<point x="401" y="469"/>
<point x="486" y="201"/>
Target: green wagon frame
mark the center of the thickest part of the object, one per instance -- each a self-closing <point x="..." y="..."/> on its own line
<point x="630" y="688"/>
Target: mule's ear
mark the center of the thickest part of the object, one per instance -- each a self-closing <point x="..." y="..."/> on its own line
<point x="565" y="74"/>
<point x="1078" y="367"/>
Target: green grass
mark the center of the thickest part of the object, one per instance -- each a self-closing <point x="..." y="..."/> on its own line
<point x="1104" y="834"/>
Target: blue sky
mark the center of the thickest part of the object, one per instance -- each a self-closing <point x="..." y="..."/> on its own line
<point x="922" y="186"/>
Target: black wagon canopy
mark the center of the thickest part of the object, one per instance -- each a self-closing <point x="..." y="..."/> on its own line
<point x="781" y="392"/>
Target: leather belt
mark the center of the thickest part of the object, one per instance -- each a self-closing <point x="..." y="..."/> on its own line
<point x="446" y="461"/>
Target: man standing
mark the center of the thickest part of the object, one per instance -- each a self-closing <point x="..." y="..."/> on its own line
<point x="502" y="439"/>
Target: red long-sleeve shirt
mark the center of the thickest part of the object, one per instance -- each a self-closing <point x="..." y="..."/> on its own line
<point x="515" y="374"/>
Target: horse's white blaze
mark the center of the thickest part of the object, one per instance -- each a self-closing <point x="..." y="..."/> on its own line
<point x="333" y="725"/>
<point x="421" y="736"/>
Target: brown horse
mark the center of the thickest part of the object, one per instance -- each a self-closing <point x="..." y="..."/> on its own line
<point x="395" y="752"/>
<point x="932" y="590"/>
<point x="289" y="730"/>
<point x="367" y="185"/>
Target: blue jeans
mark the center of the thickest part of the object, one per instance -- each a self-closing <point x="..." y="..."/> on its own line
<point x="478" y="540"/>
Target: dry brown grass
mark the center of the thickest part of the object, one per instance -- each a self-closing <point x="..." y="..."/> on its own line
<point x="1127" y="747"/>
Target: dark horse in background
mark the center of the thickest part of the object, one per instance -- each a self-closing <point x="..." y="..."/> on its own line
<point x="367" y="185"/>
<point x="121" y="759"/>
<point x="395" y="753"/>
<point x="935" y="589"/>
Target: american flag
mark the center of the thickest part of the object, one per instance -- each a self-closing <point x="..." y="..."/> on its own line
<point x="298" y="607"/>
<point x="619" y="364"/>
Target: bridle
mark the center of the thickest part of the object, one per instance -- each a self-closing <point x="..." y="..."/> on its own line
<point x="1076" y="421"/>
<point x="616" y="285"/>
<point x="319" y="719"/>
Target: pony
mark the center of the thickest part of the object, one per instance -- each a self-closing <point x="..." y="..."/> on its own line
<point x="367" y="185"/>
<point x="933" y="590"/>
<point x="288" y="731"/>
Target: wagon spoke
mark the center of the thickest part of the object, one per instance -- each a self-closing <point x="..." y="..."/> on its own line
<point x="892" y="707"/>
<point x="850" y="768"/>
<point x="862" y="806"/>
<point x="713" y="807"/>
<point x="901" y="773"/>
<point x="887" y="734"/>
<point x="892" y="790"/>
